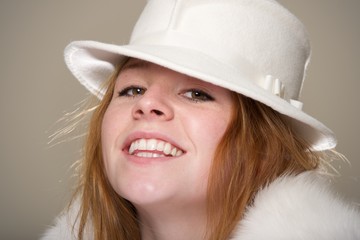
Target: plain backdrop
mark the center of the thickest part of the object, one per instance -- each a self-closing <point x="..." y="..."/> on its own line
<point x="36" y="90"/>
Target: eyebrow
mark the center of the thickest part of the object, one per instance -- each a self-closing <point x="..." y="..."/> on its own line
<point x="135" y="63"/>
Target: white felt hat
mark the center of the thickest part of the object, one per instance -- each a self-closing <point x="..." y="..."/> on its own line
<point x="253" y="47"/>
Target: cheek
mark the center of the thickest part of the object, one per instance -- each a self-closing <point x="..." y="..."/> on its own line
<point x="114" y="124"/>
<point x="205" y="131"/>
<point x="111" y="129"/>
<point x="107" y="129"/>
<point x="209" y="128"/>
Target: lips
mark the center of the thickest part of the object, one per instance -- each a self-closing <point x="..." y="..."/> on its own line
<point x="153" y="148"/>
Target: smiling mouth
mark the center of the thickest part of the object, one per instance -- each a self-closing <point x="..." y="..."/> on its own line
<point x="153" y="148"/>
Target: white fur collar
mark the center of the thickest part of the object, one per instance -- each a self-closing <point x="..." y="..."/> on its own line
<point x="299" y="208"/>
<point x="292" y="207"/>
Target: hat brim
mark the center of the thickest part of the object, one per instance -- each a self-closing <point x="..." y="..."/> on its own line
<point x="93" y="62"/>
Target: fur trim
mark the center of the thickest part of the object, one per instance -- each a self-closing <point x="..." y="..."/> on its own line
<point x="66" y="226"/>
<point x="62" y="229"/>
<point x="292" y="207"/>
<point x="298" y="208"/>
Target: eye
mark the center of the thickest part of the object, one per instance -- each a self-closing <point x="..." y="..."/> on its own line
<point x="132" y="91"/>
<point x="197" y="95"/>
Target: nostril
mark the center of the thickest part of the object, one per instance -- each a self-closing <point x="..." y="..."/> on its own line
<point x="152" y="108"/>
<point x="157" y="112"/>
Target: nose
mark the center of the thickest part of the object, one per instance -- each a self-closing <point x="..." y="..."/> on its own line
<point x="153" y="105"/>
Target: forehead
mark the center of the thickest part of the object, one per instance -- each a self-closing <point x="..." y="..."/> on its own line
<point x="144" y="68"/>
<point x="134" y="63"/>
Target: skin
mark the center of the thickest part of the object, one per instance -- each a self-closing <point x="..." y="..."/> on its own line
<point x="152" y="102"/>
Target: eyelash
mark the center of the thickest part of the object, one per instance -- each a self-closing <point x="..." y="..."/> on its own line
<point x="125" y="91"/>
<point x="200" y="96"/>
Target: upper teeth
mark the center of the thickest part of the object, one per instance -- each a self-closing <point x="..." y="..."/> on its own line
<point x="162" y="148"/>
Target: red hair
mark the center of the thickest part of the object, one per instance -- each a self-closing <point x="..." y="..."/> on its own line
<point x="257" y="147"/>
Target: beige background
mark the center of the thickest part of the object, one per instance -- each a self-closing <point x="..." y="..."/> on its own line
<point x="37" y="89"/>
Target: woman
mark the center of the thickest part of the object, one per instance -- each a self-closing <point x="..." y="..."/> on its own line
<point x="199" y="133"/>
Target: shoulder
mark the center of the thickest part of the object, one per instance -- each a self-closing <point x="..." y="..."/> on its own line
<point x="299" y="207"/>
<point x="65" y="225"/>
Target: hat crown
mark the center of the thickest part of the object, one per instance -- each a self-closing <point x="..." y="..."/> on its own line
<point x="260" y="33"/>
<point x="256" y="48"/>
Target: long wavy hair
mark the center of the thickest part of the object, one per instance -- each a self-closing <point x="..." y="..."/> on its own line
<point x="257" y="147"/>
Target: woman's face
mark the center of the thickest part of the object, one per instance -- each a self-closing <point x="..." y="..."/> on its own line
<point x="159" y="134"/>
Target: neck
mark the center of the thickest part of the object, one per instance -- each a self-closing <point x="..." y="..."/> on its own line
<point x="176" y="222"/>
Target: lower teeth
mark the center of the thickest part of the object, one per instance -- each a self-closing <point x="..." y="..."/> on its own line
<point x="149" y="155"/>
